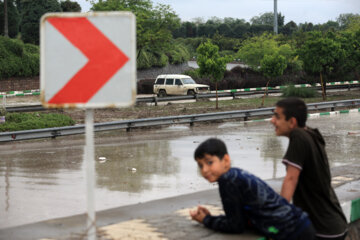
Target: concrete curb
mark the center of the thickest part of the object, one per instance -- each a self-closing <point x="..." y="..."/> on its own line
<point x="351" y="210"/>
<point x="282" y="87"/>
<point x="35" y="92"/>
<point x="313" y="115"/>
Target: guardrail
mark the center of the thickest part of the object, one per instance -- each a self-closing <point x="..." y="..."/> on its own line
<point x="147" y="122"/>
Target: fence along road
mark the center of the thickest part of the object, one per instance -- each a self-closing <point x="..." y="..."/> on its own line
<point x="147" y="122"/>
<point x="221" y="93"/>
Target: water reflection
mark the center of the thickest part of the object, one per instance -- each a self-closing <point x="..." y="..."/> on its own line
<point x="272" y="150"/>
<point x="151" y="158"/>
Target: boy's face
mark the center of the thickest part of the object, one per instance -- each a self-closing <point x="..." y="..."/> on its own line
<point x="211" y="167"/>
<point x="282" y="126"/>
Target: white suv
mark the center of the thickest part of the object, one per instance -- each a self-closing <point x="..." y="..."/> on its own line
<point x="176" y="84"/>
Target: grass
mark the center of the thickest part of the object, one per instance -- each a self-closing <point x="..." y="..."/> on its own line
<point x="27" y="121"/>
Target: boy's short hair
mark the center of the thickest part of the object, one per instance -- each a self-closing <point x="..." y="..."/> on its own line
<point x="294" y="107"/>
<point x="211" y="146"/>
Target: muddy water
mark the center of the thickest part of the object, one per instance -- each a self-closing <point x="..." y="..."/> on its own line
<point x="45" y="179"/>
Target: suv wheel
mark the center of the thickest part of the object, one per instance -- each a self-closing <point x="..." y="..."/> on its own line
<point x="191" y="92"/>
<point x="162" y="93"/>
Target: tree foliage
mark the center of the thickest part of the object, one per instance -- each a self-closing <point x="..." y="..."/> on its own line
<point x="254" y="49"/>
<point x="31" y="14"/>
<point x="345" y="19"/>
<point x="267" y="19"/>
<point x="70" y="6"/>
<point x="18" y="59"/>
<point x="153" y="24"/>
<point x="273" y="65"/>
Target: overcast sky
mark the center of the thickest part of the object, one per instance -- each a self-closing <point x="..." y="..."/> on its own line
<point x="300" y="11"/>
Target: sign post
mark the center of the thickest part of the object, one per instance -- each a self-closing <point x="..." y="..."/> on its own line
<point x="88" y="61"/>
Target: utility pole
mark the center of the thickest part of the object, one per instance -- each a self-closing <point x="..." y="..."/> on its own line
<point x="275" y="18"/>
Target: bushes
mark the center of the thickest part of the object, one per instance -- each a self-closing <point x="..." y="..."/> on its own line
<point x="292" y="91"/>
<point x="26" y="121"/>
<point x="18" y="59"/>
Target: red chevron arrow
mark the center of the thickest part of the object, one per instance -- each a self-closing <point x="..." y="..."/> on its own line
<point x="104" y="59"/>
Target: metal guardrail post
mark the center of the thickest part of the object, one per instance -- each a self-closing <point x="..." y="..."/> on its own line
<point x="4" y="101"/>
<point x="155" y="100"/>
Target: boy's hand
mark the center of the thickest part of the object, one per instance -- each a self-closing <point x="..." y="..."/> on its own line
<point x="199" y="214"/>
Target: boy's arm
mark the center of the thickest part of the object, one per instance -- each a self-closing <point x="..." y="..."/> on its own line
<point x="290" y="182"/>
<point x="224" y="223"/>
<point x="233" y="220"/>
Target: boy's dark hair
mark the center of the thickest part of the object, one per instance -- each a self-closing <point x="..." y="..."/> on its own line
<point x="211" y="146"/>
<point x="294" y="107"/>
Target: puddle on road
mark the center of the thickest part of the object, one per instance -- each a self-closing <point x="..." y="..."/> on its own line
<point x="45" y="179"/>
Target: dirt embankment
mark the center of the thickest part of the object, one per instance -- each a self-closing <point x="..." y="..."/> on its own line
<point x="204" y="106"/>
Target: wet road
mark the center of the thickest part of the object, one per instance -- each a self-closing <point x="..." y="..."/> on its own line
<point x="45" y="179"/>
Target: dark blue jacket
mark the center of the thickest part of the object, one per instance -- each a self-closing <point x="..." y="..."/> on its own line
<point x="246" y="197"/>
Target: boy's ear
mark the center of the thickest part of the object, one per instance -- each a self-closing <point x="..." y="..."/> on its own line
<point x="227" y="160"/>
<point x="293" y="122"/>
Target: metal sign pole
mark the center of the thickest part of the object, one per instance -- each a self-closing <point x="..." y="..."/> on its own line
<point x="90" y="173"/>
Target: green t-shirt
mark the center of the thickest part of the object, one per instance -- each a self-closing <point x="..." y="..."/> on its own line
<point x="314" y="194"/>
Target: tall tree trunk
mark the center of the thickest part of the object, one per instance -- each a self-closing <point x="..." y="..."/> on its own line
<point x="216" y="96"/>
<point x="6" y="26"/>
<point x="322" y="87"/>
<point x="266" y="90"/>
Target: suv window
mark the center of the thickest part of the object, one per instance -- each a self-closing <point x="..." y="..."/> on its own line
<point x="169" y="81"/>
<point x="189" y="81"/>
<point x="178" y="82"/>
<point x="160" y="81"/>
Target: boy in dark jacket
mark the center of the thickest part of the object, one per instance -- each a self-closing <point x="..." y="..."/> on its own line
<point x="246" y="198"/>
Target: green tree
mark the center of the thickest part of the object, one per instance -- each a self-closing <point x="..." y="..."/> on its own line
<point x="320" y="54"/>
<point x="289" y="28"/>
<point x="70" y="6"/>
<point x="272" y="66"/>
<point x="31" y="14"/>
<point x="306" y="27"/>
<point x="350" y="62"/>
<point x="254" y="49"/>
<point x="267" y="19"/>
<point x="12" y="18"/>
<point x="345" y="19"/>
<point x="354" y="24"/>
<point x="153" y="24"/>
<point x="211" y="64"/>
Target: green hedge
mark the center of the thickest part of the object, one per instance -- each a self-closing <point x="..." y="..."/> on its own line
<point x="27" y="121"/>
<point x="18" y="59"/>
<point x="292" y="91"/>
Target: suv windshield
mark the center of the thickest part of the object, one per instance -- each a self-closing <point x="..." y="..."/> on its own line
<point x="188" y="81"/>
